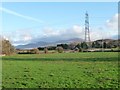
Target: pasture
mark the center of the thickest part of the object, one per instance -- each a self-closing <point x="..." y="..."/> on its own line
<point x="61" y="70"/>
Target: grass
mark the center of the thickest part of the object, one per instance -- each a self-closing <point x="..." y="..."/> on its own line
<point x="61" y="70"/>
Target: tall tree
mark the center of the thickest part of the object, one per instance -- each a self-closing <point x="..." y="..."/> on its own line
<point x="7" y="47"/>
<point x="104" y="45"/>
<point x="84" y="45"/>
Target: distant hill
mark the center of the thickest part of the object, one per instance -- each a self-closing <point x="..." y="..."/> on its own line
<point x="111" y="42"/>
<point x="42" y="43"/>
<point x="32" y="45"/>
<point x="116" y="37"/>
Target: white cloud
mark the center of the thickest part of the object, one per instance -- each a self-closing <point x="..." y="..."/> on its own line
<point x="112" y="23"/>
<point x="73" y="32"/>
<point x="6" y="38"/>
<point x="76" y="31"/>
<point x="19" y="37"/>
<point x="47" y="32"/>
<point x="107" y="31"/>
<point x="27" y="37"/>
<point x="20" y="15"/>
<point x="98" y="33"/>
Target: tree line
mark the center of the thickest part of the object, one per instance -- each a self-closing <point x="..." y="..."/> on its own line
<point x="106" y="44"/>
<point x="7" y="48"/>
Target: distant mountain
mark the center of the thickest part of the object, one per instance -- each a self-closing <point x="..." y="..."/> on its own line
<point x="42" y="43"/>
<point x="32" y="45"/>
<point x="116" y="37"/>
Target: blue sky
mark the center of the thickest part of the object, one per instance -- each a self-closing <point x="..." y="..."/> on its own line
<point x="24" y="22"/>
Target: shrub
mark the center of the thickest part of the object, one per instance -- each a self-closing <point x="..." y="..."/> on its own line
<point x="34" y="51"/>
<point x="80" y="50"/>
<point x="45" y="50"/>
<point x="84" y="45"/>
<point x="59" y="49"/>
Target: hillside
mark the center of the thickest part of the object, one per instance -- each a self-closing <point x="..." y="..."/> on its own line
<point x="45" y="43"/>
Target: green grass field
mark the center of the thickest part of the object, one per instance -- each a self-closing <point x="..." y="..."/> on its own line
<point x="61" y="70"/>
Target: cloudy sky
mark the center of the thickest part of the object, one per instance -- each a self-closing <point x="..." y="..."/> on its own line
<point x="26" y="22"/>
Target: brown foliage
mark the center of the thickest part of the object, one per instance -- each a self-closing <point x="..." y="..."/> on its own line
<point x="7" y="47"/>
<point x="34" y="51"/>
<point x="45" y="50"/>
<point x="59" y="49"/>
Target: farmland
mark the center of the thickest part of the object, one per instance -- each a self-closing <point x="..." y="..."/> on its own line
<point x="61" y="70"/>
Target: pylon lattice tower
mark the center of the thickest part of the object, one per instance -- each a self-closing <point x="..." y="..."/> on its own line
<point x="87" y="32"/>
